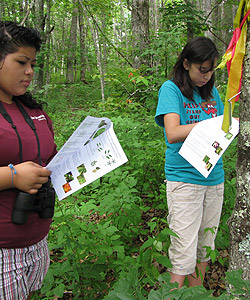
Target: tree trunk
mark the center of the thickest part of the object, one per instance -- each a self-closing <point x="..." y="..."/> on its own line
<point x="239" y="223"/>
<point x="71" y="57"/>
<point x="154" y="15"/>
<point x="63" y="46"/>
<point x="99" y="59"/>
<point x="40" y="25"/>
<point x="104" y="45"/>
<point x="94" y="31"/>
<point x="1" y="11"/>
<point x="47" y="68"/>
<point x="140" y="31"/>
<point x="123" y="30"/>
<point x="83" y="59"/>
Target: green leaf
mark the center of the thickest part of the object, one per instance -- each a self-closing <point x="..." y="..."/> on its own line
<point x="165" y="233"/>
<point x="118" y="248"/>
<point x="147" y="244"/>
<point x="194" y="293"/>
<point x="158" y="245"/>
<point x="59" y="290"/>
<point x="120" y="295"/>
<point x="110" y="230"/>
<point x="213" y="255"/>
<point x="115" y="237"/>
<point x="163" y="260"/>
<point x="240" y="285"/>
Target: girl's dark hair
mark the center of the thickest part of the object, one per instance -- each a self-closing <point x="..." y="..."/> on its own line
<point x="197" y="50"/>
<point x="12" y="37"/>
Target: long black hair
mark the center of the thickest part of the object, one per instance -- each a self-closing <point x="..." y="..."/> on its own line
<point x="12" y="37"/>
<point x="197" y="50"/>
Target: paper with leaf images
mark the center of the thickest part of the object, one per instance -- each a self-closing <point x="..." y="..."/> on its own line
<point x="207" y="142"/>
<point x="92" y="151"/>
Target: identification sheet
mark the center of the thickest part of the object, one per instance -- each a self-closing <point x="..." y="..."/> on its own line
<point x="206" y="143"/>
<point x="92" y="151"/>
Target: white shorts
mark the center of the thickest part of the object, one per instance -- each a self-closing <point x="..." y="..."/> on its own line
<point x="192" y="208"/>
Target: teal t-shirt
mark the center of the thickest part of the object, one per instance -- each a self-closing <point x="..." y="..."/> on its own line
<point x="171" y="100"/>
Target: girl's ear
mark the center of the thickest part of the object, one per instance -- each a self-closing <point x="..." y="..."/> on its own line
<point x="186" y="64"/>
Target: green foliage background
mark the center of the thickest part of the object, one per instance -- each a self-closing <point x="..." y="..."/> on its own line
<point x="110" y="239"/>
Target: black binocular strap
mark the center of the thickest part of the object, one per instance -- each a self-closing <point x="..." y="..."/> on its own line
<point x="29" y="121"/>
<point x="8" y="118"/>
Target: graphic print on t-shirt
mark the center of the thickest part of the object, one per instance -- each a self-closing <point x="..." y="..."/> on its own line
<point x="194" y="110"/>
<point x="208" y="108"/>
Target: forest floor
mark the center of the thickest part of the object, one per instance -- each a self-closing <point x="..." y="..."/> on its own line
<point x="214" y="280"/>
<point x="215" y="276"/>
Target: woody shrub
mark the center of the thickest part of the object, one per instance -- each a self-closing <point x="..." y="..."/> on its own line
<point x="110" y="239"/>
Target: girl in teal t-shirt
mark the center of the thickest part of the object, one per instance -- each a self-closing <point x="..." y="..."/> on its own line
<point x="194" y="202"/>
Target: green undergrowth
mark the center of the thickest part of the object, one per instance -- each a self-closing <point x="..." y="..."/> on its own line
<point x="110" y="239"/>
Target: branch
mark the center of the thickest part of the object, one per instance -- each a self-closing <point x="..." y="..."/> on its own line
<point x="106" y="38"/>
<point x="216" y="36"/>
<point x="138" y="90"/>
<point x="207" y="17"/>
<point x="27" y="13"/>
<point x="209" y="14"/>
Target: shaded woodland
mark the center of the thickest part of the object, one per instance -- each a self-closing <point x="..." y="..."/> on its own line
<point x="109" y="58"/>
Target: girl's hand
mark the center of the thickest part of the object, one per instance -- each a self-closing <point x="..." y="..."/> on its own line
<point x="30" y="177"/>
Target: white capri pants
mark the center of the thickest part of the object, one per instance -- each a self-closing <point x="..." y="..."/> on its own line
<point x="192" y="208"/>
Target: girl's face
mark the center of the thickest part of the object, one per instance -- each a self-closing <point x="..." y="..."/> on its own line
<point x="16" y="73"/>
<point x="199" y="73"/>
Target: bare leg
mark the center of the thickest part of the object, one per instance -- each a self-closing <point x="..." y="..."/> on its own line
<point x="177" y="278"/>
<point x="193" y="279"/>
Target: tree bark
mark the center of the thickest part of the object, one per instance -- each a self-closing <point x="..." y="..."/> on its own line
<point x="83" y="58"/>
<point x="94" y="31"/>
<point x="47" y="68"/>
<point x="123" y="30"/>
<point x="96" y="39"/>
<point x="104" y="45"/>
<point x="140" y="31"/>
<point x="71" y="57"/>
<point x="239" y="223"/>
<point x="40" y="26"/>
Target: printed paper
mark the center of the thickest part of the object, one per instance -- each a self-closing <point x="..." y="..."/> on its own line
<point x="207" y="142"/>
<point x="92" y="151"/>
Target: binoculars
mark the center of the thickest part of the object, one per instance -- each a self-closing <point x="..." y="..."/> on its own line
<point x="43" y="202"/>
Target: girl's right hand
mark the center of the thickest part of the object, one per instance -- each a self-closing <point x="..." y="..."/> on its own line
<point x="30" y="177"/>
